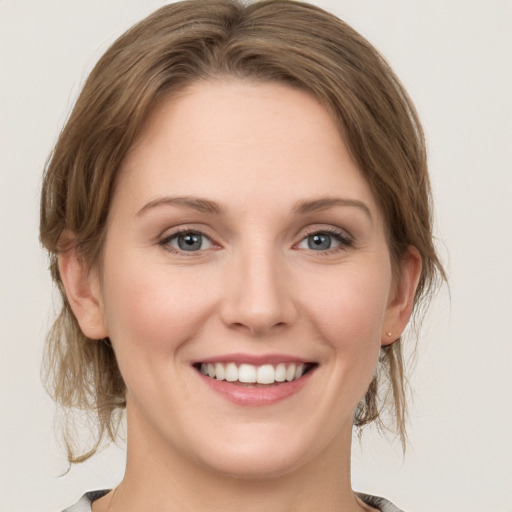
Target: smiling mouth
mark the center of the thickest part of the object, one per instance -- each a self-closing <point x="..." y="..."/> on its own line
<point x="255" y="375"/>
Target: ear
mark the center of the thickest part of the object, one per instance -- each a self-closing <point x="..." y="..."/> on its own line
<point x="82" y="291"/>
<point x="402" y="298"/>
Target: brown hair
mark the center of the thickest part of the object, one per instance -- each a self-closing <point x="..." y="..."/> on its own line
<point x="191" y="41"/>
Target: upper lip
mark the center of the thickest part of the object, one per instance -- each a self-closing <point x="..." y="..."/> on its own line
<point x="256" y="360"/>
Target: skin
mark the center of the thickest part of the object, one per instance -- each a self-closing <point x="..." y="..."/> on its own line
<point x="258" y="151"/>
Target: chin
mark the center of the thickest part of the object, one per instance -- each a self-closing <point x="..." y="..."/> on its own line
<point x="255" y="465"/>
<point x="261" y="454"/>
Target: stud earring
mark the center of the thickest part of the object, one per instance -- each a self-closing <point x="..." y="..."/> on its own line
<point x="388" y="334"/>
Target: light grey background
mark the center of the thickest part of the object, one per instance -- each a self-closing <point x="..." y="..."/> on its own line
<point x="455" y="58"/>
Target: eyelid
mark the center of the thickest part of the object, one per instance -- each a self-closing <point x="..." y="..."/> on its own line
<point x="344" y="237"/>
<point x="165" y="239"/>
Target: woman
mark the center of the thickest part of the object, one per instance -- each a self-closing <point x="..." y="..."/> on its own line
<point x="237" y="213"/>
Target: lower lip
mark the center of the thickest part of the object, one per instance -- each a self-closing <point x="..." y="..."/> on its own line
<point x="256" y="395"/>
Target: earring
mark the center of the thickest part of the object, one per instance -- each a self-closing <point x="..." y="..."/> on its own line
<point x="388" y="334"/>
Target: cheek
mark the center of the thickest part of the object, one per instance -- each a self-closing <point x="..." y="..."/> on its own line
<point x="353" y="310"/>
<point x="349" y="320"/>
<point x="151" y="309"/>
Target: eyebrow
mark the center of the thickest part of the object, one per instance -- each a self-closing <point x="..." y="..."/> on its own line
<point x="206" y="206"/>
<point x="190" y="202"/>
<point x="324" y="203"/>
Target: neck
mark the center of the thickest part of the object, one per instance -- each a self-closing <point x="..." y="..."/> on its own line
<point x="158" y="478"/>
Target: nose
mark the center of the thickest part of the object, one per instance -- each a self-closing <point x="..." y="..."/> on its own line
<point x="258" y="295"/>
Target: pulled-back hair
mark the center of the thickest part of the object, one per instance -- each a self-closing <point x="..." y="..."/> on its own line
<point x="193" y="41"/>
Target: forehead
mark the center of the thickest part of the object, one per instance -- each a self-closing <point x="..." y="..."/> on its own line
<point x="225" y="138"/>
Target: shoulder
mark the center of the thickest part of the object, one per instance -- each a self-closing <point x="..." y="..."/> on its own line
<point x="379" y="503"/>
<point x="84" y="503"/>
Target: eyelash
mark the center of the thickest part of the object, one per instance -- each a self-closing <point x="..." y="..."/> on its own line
<point x="344" y="239"/>
<point x="166" y="241"/>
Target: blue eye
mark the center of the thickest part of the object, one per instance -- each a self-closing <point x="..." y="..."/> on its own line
<point x="188" y="241"/>
<point x="319" y="242"/>
<point x="324" y="241"/>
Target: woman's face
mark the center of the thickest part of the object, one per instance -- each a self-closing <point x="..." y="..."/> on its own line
<point x="244" y="242"/>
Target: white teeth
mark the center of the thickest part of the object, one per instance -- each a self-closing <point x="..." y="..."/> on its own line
<point x="290" y="372"/>
<point x="251" y="374"/>
<point x="220" y="373"/>
<point x="247" y="373"/>
<point x="280" y="372"/>
<point x="231" y="372"/>
<point x="265" y="374"/>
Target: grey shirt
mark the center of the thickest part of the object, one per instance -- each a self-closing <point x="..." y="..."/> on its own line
<point x="84" y="504"/>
